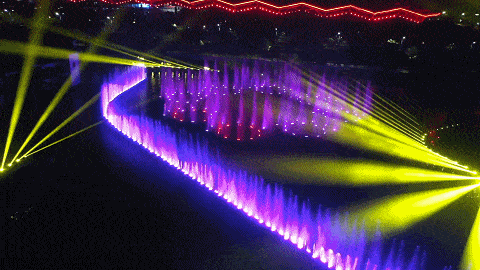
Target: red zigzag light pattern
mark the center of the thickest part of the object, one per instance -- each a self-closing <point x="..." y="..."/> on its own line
<point x="285" y="10"/>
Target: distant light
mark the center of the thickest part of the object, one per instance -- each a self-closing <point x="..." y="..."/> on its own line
<point x="444" y="12"/>
<point x="463" y="14"/>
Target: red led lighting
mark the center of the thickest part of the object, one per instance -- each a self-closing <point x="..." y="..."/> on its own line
<point x="285" y="10"/>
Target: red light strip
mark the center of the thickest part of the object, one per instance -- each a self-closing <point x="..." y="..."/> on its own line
<point x="287" y="9"/>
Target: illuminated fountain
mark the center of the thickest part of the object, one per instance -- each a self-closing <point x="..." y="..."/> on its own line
<point x="119" y="82"/>
<point x="321" y="232"/>
<point x="245" y="103"/>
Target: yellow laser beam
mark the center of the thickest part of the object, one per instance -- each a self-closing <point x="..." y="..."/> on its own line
<point x="67" y="33"/>
<point x="430" y="155"/>
<point x="351" y="172"/>
<point x="381" y="131"/>
<point x="65" y="87"/>
<point x="381" y="114"/>
<point x="66" y="121"/>
<point x="381" y="128"/>
<point x="176" y="62"/>
<point x="107" y="45"/>
<point x="379" y="110"/>
<point x="401" y="111"/>
<point x="56" y="53"/>
<point x="120" y="49"/>
<point x="69" y="136"/>
<point x="388" y="110"/>
<point x="471" y="254"/>
<point x="349" y="101"/>
<point x="399" y="130"/>
<point x="30" y="52"/>
<point x="371" y="126"/>
<point x="397" y="213"/>
<point x="63" y="90"/>
<point x="362" y="138"/>
<point x="390" y="119"/>
<point x="377" y="98"/>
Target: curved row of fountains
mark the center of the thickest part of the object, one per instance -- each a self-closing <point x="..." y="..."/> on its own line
<point x="316" y="230"/>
